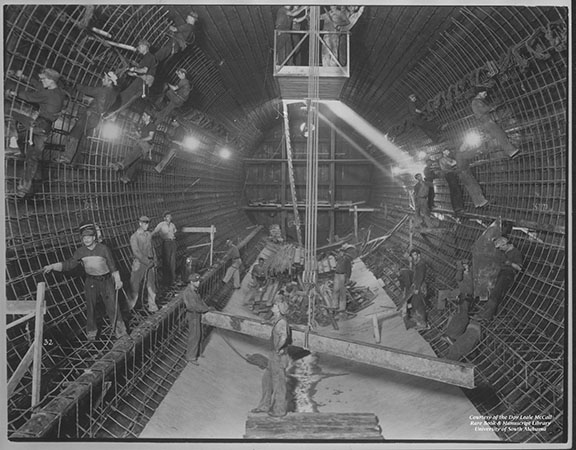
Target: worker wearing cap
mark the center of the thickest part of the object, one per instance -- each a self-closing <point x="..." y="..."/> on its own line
<point x="50" y="100"/>
<point x="130" y="164"/>
<point x="274" y="380"/>
<point x="460" y="319"/>
<point x="143" y="264"/>
<point x="195" y="307"/>
<point x="233" y="272"/>
<point x="421" y="199"/>
<point x="510" y="268"/>
<point x="342" y="274"/>
<point x="482" y="110"/>
<point x="413" y="284"/>
<point x="180" y="37"/>
<point x="144" y="74"/>
<point x="167" y="231"/>
<point x="102" y="278"/>
<point x="259" y="281"/>
<point x="104" y="98"/>
<point x="176" y="94"/>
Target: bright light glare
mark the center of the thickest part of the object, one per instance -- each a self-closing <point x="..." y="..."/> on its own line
<point x="110" y="130"/>
<point x="225" y="153"/>
<point x="190" y="143"/>
<point x="472" y="139"/>
<point x="396" y="170"/>
<point x="421" y="154"/>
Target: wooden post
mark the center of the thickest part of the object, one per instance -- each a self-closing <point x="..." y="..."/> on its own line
<point x="38" y="331"/>
<point x="356" y="221"/>
<point x="376" y="326"/>
<point x="212" y="233"/>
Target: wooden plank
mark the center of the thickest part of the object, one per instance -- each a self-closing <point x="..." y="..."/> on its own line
<point x="357" y="426"/>
<point x="445" y="371"/>
<point x="197" y="229"/>
<point x="21" y="370"/>
<point x="21" y="307"/>
<point x="38" y="337"/>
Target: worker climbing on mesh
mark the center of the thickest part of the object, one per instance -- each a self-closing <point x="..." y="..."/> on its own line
<point x="342" y="274"/>
<point x="102" y="280"/>
<point x="413" y="285"/>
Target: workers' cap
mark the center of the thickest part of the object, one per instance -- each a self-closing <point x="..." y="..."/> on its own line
<point x="181" y="70"/>
<point x="193" y="278"/>
<point x="500" y="241"/>
<point x="417" y="175"/>
<point x="465" y="261"/>
<point x="192" y="14"/>
<point x="415" y="250"/>
<point x="348" y="247"/>
<point x="165" y="213"/>
<point x="50" y="74"/>
<point x="112" y="77"/>
<point x="144" y="219"/>
<point x="144" y="42"/>
<point x="87" y="229"/>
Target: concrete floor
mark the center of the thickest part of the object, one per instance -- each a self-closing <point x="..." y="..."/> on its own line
<point x="212" y="400"/>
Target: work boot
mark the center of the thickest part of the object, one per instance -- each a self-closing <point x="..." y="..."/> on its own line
<point x="24" y="188"/>
<point x="91" y="335"/>
<point x="152" y="307"/>
<point x="120" y="330"/>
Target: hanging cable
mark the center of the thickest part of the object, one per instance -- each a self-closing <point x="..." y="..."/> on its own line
<point x="291" y="173"/>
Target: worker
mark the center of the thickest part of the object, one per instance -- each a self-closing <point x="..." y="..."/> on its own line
<point x="104" y="97"/>
<point x="457" y="324"/>
<point x="167" y="231"/>
<point x="413" y="284"/>
<point x="429" y="177"/>
<point x="274" y="380"/>
<point x="421" y="202"/>
<point x="342" y="274"/>
<point x="50" y="100"/>
<point x="449" y="168"/>
<point x="195" y="307"/>
<point x="143" y="265"/>
<point x="130" y="165"/>
<point x="234" y="270"/>
<point x="259" y="281"/>
<point x="482" y="112"/>
<point x="510" y="268"/>
<point x="143" y="73"/>
<point x="176" y="94"/>
<point x="418" y="119"/>
<point x="102" y="279"/>
<point x="181" y="36"/>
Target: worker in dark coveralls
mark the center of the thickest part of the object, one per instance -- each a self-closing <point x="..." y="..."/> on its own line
<point x="511" y="267"/>
<point x="176" y="94"/>
<point x="413" y="282"/>
<point x="418" y="119"/>
<point x="233" y="272"/>
<point x="143" y="264"/>
<point x="167" y="231"/>
<point x="130" y="165"/>
<point x="181" y="36"/>
<point x="144" y="74"/>
<point x="482" y="112"/>
<point x="342" y="274"/>
<point x="421" y="199"/>
<point x="88" y="119"/>
<point x="459" y="321"/>
<point x="274" y="380"/>
<point x="50" y="100"/>
<point x="195" y="307"/>
<point x="102" y="278"/>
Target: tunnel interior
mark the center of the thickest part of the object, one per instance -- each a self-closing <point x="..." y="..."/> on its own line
<point x="441" y="53"/>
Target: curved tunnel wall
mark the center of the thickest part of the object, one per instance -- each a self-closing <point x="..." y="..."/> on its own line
<point x="521" y="353"/>
<point x="199" y="188"/>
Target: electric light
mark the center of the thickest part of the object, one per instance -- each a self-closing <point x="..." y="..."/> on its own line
<point x="110" y="130"/>
<point x="472" y="139"/>
<point x="190" y="143"/>
<point x="225" y="153"/>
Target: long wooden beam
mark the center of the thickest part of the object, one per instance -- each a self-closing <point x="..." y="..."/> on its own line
<point x="445" y="371"/>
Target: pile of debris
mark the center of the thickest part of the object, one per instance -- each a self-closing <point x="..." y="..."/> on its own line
<point x="276" y="233"/>
<point x="314" y="303"/>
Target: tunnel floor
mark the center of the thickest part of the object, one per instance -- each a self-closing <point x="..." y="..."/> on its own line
<point x="408" y="407"/>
